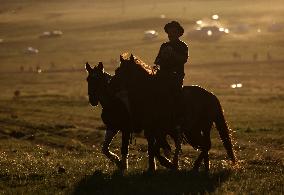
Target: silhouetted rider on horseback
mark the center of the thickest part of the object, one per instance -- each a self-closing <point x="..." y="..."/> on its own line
<point x="173" y="54"/>
<point x="170" y="60"/>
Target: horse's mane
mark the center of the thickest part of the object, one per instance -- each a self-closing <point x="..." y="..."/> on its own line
<point x="139" y="68"/>
<point x="137" y="78"/>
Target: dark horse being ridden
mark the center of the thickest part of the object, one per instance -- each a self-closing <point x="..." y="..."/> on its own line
<point x="116" y="116"/>
<point x="201" y="109"/>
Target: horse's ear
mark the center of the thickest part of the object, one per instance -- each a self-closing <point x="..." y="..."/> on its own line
<point x="88" y="67"/>
<point x="131" y="58"/>
<point x="100" y="66"/>
<point x="121" y="58"/>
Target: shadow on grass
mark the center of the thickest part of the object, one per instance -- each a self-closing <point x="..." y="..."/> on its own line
<point x="162" y="182"/>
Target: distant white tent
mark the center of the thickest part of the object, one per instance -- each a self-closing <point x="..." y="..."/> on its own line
<point x="31" y="50"/>
<point x="50" y="34"/>
<point x="150" y="34"/>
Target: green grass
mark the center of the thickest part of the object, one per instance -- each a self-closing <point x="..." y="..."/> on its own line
<point x="50" y="137"/>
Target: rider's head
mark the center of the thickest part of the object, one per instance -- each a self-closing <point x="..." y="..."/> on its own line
<point x="174" y="30"/>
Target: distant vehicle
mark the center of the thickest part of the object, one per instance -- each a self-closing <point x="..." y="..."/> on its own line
<point x="150" y="34"/>
<point x="31" y="50"/>
<point x="207" y="33"/>
<point x="50" y="34"/>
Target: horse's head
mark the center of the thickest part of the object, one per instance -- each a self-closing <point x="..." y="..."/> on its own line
<point x="96" y="82"/>
<point x="133" y="67"/>
<point x="127" y="62"/>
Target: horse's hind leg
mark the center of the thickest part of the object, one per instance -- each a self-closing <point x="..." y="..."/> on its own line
<point x="207" y="148"/>
<point x="151" y="154"/>
<point x="110" y="133"/>
<point x="205" y="143"/>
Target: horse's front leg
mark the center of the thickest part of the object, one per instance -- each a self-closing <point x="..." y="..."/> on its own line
<point x="177" y="140"/>
<point x="163" y="160"/>
<point x="110" y="133"/>
<point x="198" y="161"/>
<point x="206" y="161"/>
<point x="124" y="149"/>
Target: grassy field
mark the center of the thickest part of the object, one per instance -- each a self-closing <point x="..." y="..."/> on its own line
<point x="50" y="137"/>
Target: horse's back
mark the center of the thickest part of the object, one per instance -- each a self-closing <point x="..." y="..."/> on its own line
<point x="197" y="94"/>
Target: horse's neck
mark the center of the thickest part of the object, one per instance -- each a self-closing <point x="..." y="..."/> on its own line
<point x="105" y="97"/>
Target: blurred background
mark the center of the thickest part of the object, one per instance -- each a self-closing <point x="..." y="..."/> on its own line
<point x="64" y="34"/>
<point x="50" y="135"/>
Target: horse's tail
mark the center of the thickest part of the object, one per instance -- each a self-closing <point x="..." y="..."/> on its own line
<point x="224" y="131"/>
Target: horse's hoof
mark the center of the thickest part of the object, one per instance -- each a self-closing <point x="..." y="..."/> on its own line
<point x="118" y="164"/>
<point x="176" y="167"/>
<point x="151" y="171"/>
<point x="234" y="161"/>
<point x="175" y="163"/>
<point x="123" y="168"/>
<point x="123" y="164"/>
<point x="118" y="172"/>
<point x="152" y="168"/>
<point x="195" y="170"/>
<point x="207" y="173"/>
<point x="167" y="153"/>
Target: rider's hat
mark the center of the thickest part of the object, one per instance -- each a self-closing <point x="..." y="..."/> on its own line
<point x="174" y="24"/>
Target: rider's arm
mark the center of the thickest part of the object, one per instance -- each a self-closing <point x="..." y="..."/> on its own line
<point x="158" y="60"/>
